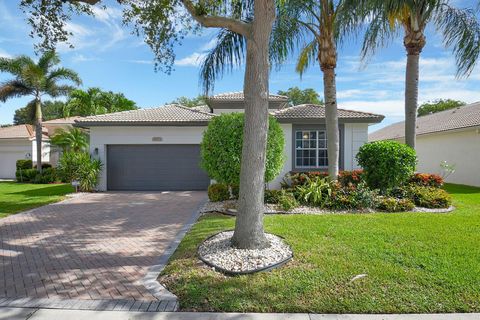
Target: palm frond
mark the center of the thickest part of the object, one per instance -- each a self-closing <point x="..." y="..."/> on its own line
<point x="59" y="90"/>
<point x="306" y="57"/>
<point x="378" y="34"/>
<point x="461" y="31"/>
<point x="48" y="60"/>
<point x="64" y="74"/>
<point x="227" y="54"/>
<point x="15" y="65"/>
<point x="13" y="88"/>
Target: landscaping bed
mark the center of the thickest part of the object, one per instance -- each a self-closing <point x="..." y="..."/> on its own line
<point x="413" y="263"/>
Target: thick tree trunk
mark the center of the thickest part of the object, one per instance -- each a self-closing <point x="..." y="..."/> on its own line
<point x="411" y="98"/>
<point x="331" y="119"/>
<point x="249" y="232"/>
<point x="38" y="132"/>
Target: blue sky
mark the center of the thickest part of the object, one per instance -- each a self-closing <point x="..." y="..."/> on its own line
<point x="107" y="55"/>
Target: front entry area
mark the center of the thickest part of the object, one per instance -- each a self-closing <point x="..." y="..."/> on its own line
<point x="166" y="167"/>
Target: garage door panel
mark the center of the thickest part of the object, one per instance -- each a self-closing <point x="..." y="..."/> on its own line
<point x="155" y="167"/>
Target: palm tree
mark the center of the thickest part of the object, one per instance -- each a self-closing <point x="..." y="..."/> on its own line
<point x="75" y="140"/>
<point x="459" y="28"/>
<point x="315" y="26"/>
<point x="36" y="80"/>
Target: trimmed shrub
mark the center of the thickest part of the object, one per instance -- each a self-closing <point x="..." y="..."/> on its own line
<point x="273" y="196"/>
<point x="353" y="178"/>
<point x="430" y="197"/>
<point x="26" y="175"/>
<point x="221" y="148"/>
<point x="48" y="175"/>
<point x="81" y="167"/>
<point x="386" y="164"/>
<point x="390" y="204"/>
<point x="427" y="180"/>
<point x="356" y="198"/>
<point x="24" y="164"/>
<point x="218" y="192"/>
<point x="287" y="201"/>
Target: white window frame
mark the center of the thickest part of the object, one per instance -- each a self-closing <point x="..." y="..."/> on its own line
<point x="317" y="148"/>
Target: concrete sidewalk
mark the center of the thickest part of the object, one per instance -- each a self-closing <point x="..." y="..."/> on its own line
<point x="53" y="314"/>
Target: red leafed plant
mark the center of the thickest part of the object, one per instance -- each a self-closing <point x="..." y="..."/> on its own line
<point x="427" y="180"/>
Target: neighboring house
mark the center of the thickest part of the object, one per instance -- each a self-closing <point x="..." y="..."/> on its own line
<point x="159" y="149"/>
<point x="18" y="142"/>
<point x="451" y="135"/>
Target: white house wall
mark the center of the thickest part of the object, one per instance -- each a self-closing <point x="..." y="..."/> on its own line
<point x="12" y="150"/>
<point x="356" y="135"/>
<point x="461" y="148"/>
<point x="45" y="151"/>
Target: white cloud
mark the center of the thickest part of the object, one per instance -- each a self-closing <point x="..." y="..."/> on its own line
<point x="82" y="58"/>
<point x="209" y="45"/>
<point x="193" y="60"/>
<point x="141" y="61"/>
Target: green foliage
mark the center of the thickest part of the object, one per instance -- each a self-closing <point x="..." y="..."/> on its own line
<point x="235" y="190"/>
<point x="73" y="140"/>
<point x="429" y="197"/>
<point x="272" y="196"/>
<point x="48" y="175"/>
<point x="218" y="192"/>
<point x="386" y="164"/>
<point x="315" y="192"/>
<point x="390" y="204"/>
<point x="80" y="167"/>
<point x="50" y="110"/>
<point x="95" y="101"/>
<point x="438" y="105"/>
<point x="351" y="197"/>
<point x="427" y="180"/>
<point x="298" y="96"/>
<point x="221" y="148"/>
<point x="287" y="201"/>
<point x="26" y="175"/>
<point x="293" y="179"/>
<point x="24" y="164"/>
<point x="190" y="102"/>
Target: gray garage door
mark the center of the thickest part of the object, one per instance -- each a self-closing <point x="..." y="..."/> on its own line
<point x="155" y="167"/>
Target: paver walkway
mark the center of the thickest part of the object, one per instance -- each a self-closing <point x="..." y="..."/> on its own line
<point x="93" y="248"/>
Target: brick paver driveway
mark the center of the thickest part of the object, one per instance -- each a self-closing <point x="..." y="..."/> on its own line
<point x="97" y="246"/>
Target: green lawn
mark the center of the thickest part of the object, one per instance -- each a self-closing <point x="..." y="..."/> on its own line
<point x="416" y="262"/>
<point x="16" y="197"/>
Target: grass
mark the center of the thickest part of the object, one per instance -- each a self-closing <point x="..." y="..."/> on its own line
<point x="415" y="262"/>
<point x="16" y="197"/>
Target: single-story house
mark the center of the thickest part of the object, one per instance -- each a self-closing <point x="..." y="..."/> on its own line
<point x="451" y="135"/>
<point x="159" y="148"/>
<point x="18" y="143"/>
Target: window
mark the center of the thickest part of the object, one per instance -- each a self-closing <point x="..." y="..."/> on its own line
<point x="311" y="149"/>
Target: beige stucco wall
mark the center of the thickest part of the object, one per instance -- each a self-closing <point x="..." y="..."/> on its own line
<point x="461" y="148"/>
<point x="356" y="135"/>
<point x="12" y="150"/>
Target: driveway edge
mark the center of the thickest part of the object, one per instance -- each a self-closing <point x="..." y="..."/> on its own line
<point x="150" y="280"/>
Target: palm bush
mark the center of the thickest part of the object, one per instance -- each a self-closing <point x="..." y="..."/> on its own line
<point x="79" y="166"/>
<point x="315" y="192"/>
<point x="73" y="140"/>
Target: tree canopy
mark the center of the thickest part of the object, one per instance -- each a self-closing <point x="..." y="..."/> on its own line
<point x="51" y="110"/>
<point x="438" y="105"/>
<point x="190" y="102"/>
<point x="95" y="101"/>
<point x="298" y="96"/>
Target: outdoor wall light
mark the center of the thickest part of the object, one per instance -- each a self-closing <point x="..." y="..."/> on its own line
<point x="95" y="151"/>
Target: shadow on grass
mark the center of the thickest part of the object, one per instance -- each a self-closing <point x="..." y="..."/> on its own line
<point x="461" y="189"/>
<point x="46" y="191"/>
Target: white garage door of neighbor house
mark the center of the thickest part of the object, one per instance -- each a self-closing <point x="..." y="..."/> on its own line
<point x="8" y="162"/>
<point x="155" y="168"/>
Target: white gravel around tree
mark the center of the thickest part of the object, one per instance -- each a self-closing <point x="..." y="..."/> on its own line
<point x="219" y="252"/>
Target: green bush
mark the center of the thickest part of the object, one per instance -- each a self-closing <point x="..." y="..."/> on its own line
<point x="235" y="190"/>
<point x="272" y="196"/>
<point x="48" y="175"/>
<point x="427" y="180"/>
<point x="387" y="164"/>
<point x="431" y="197"/>
<point x="315" y="192"/>
<point x="221" y="148"/>
<point x="287" y="201"/>
<point x="80" y="167"/>
<point x="26" y="175"/>
<point x="356" y="198"/>
<point x="354" y="177"/>
<point x="294" y="179"/>
<point x="24" y="164"/>
<point x="390" y="204"/>
<point x="218" y="192"/>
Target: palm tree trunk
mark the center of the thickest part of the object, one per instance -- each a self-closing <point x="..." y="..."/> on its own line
<point x="411" y="97"/>
<point x="331" y="119"/>
<point x="249" y="233"/>
<point x="38" y="132"/>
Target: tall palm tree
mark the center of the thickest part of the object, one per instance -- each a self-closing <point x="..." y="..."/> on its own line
<point x="36" y="80"/>
<point x="313" y="25"/>
<point x="459" y="28"/>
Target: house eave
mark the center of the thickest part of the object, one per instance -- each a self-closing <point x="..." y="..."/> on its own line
<point x="322" y="120"/>
<point x="85" y="124"/>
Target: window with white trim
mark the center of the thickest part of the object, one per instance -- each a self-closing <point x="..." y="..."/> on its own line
<point x="311" y="149"/>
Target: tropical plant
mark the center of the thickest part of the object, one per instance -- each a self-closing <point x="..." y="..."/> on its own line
<point x="386" y="164"/>
<point x="315" y="192"/>
<point x="190" y="102"/>
<point x="459" y="28"/>
<point x="298" y="96"/>
<point x="79" y="166"/>
<point x="438" y="105"/>
<point x="72" y="140"/>
<point x="94" y="101"/>
<point x="221" y="148"/>
<point x="36" y="80"/>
